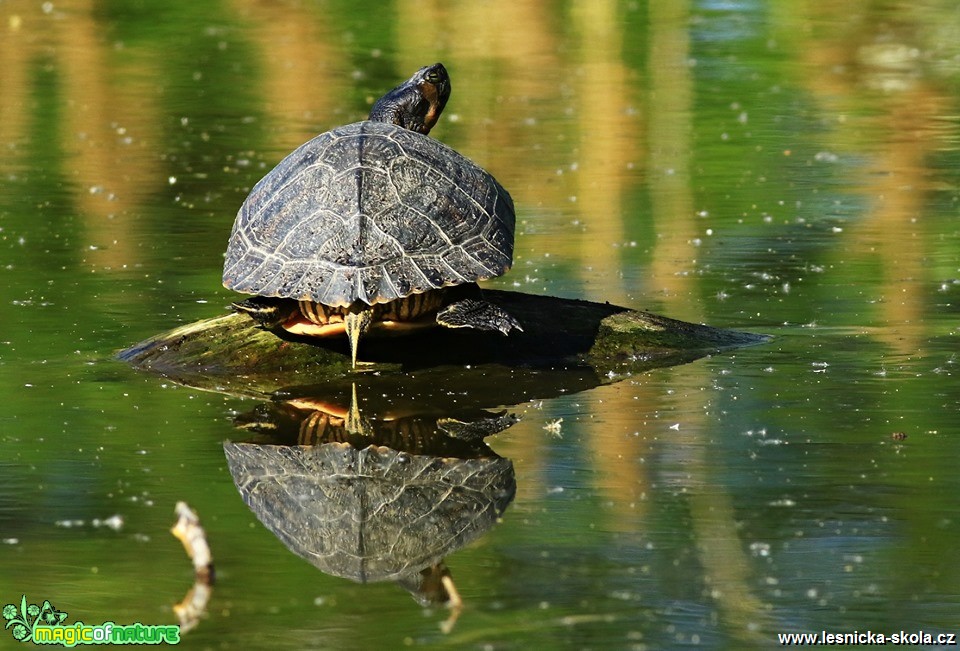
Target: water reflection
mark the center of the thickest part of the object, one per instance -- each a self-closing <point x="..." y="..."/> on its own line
<point x="742" y="164"/>
<point x="377" y="496"/>
<point x="188" y="531"/>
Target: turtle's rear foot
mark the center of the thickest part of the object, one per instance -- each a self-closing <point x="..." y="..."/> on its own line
<point x="471" y="313"/>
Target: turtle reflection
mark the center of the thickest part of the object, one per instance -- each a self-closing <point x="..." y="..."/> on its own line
<point x="373" y="499"/>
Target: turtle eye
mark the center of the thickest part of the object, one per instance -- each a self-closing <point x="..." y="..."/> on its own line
<point x="433" y="77"/>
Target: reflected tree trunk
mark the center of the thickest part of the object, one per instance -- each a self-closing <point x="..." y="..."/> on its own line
<point x="727" y="570"/>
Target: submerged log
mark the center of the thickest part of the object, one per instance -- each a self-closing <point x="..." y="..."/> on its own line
<point x="226" y="352"/>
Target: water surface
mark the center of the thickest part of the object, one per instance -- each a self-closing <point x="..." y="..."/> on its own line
<point x="775" y="167"/>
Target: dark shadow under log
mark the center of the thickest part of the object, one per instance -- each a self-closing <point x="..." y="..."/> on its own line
<point x="230" y="353"/>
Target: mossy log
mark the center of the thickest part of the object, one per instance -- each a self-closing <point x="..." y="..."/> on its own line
<point x="226" y="352"/>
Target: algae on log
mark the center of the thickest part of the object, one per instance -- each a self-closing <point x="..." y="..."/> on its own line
<point x="642" y="334"/>
<point x="557" y="333"/>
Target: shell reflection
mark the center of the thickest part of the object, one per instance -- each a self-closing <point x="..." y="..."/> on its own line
<point x="373" y="498"/>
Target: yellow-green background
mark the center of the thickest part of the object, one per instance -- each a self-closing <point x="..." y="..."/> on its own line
<point x="785" y="167"/>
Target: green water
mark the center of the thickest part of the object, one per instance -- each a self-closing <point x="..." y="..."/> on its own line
<point x="785" y="168"/>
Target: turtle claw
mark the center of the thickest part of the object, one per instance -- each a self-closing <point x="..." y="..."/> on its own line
<point x="477" y="430"/>
<point x="471" y="313"/>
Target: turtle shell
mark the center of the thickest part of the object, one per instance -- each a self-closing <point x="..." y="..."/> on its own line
<point x="369" y="212"/>
<point x="372" y="514"/>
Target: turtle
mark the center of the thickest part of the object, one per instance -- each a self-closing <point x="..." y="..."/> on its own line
<point x="370" y="514"/>
<point x="372" y="498"/>
<point x="374" y="225"/>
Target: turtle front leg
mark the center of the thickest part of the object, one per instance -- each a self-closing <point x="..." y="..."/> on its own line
<point x="473" y="313"/>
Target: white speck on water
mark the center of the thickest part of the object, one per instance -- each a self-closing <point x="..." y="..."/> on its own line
<point x="675" y="427"/>
<point x="760" y="549"/>
<point x="114" y="522"/>
<point x="172" y="180"/>
<point x="783" y="502"/>
<point x="624" y="595"/>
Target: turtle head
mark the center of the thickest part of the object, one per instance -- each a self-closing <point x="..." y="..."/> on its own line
<point x="415" y="104"/>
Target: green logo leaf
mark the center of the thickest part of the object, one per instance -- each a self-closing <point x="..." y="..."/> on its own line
<point x="22" y="620"/>
<point x="25" y="619"/>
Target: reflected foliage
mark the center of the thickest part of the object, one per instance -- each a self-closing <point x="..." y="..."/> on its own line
<point x="780" y="167"/>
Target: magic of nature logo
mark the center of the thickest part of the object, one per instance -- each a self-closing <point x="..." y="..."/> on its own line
<point x="44" y="624"/>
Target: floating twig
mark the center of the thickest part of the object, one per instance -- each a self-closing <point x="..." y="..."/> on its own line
<point x="194" y="539"/>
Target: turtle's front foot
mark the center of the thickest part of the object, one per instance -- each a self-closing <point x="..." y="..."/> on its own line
<point x="471" y="313"/>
